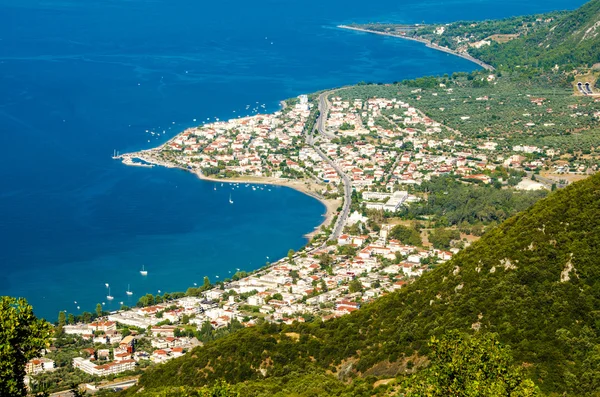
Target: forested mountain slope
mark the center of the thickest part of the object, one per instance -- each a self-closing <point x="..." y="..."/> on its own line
<point x="572" y="39"/>
<point x="534" y="280"/>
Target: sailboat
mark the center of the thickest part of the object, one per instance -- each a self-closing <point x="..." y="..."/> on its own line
<point x="143" y="272"/>
<point x="109" y="296"/>
<point x="230" y="200"/>
<point x="128" y="292"/>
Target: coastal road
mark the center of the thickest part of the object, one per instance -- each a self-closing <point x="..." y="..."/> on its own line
<point x="320" y="127"/>
<point x="428" y="43"/>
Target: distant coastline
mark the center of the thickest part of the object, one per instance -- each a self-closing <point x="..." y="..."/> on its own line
<point x="427" y="43"/>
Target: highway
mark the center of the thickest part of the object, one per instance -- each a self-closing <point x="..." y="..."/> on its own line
<point x="320" y="127"/>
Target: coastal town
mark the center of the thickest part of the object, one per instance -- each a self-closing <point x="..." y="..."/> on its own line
<point x="421" y="227"/>
<point x="365" y="159"/>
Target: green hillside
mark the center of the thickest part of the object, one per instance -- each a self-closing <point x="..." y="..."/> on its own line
<point x="571" y="39"/>
<point x="534" y="280"/>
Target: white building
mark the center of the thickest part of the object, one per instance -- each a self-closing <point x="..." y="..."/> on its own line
<point x="397" y="199"/>
<point x="104" y="369"/>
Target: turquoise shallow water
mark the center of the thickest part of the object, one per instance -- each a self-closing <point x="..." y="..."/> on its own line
<point x="79" y="79"/>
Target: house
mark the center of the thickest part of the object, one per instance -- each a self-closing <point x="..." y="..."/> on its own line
<point x="39" y="365"/>
<point x="127" y="343"/>
<point x="164" y="331"/>
<point x="103" y="326"/>
<point x="120" y="357"/>
<point x="344" y="239"/>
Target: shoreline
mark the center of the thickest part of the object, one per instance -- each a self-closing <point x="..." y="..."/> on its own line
<point x="427" y="43"/>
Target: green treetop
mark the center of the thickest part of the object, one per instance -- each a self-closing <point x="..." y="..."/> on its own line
<point x="470" y="366"/>
<point x="22" y="337"/>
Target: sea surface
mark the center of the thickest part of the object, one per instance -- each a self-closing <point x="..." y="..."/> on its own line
<point x="79" y="79"/>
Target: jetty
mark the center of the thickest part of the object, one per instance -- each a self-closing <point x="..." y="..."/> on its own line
<point x="129" y="159"/>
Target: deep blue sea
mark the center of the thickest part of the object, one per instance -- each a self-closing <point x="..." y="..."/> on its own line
<point x="79" y="79"/>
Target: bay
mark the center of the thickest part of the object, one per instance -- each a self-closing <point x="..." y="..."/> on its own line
<point x="80" y="79"/>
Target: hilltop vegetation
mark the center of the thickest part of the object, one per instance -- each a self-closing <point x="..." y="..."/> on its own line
<point x="567" y="39"/>
<point x="570" y="40"/>
<point x="534" y="280"/>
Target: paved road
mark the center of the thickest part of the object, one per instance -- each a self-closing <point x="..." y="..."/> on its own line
<point x="118" y="385"/>
<point x="320" y="127"/>
<point x="324" y="111"/>
<point x="544" y="181"/>
<point x="67" y="393"/>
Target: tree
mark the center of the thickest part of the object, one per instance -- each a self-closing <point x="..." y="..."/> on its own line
<point x="325" y="260"/>
<point x="62" y="318"/>
<point x="76" y="391"/>
<point x="71" y="319"/>
<point x="99" y="310"/>
<point x="441" y="238"/>
<point x="22" y="337"/>
<point x="355" y="286"/>
<point x="291" y="255"/>
<point x="277" y="296"/>
<point x="86" y="317"/>
<point x="323" y="286"/>
<point x="470" y="366"/>
<point x="206" y="284"/>
<point x="406" y="235"/>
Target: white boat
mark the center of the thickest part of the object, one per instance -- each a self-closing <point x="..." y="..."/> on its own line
<point x="230" y="200"/>
<point x="143" y="272"/>
<point x="106" y="284"/>
<point x="128" y="292"/>
<point x="109" y="296"/>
